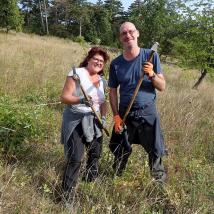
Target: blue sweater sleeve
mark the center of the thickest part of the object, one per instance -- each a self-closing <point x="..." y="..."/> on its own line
<point x="156" y="64"/>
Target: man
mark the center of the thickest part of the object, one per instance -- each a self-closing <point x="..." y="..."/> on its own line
<point x="142" y="123"/>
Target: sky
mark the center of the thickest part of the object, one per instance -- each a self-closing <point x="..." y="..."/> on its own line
<point x="126" y="3"/>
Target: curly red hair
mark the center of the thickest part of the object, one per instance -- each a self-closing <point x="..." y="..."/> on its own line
<point x="91" y="53"/>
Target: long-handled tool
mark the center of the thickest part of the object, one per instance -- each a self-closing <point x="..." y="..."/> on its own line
<point x="153" y="50"/>
<point x="91" y="106"/>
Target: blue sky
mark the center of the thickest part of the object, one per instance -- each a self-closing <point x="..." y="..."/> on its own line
<point x="126" y="3"/>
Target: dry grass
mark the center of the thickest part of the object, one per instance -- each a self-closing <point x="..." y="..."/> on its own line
<point x="35" y="67"/>
<point x="29" y="62"/>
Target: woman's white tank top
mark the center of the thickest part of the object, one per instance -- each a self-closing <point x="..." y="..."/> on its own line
<point x="97" y="93"/>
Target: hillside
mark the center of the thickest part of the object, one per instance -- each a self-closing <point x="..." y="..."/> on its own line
<point x="33" y="70"/>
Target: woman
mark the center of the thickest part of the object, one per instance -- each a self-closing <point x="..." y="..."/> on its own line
<point x="80" y="128"/>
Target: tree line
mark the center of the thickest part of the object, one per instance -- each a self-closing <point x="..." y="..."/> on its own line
<point x="184" y="29"/>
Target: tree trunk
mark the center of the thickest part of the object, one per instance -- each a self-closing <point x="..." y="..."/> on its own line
<point x="80" y="28"/>
<point x="41" y="15"/>
<point x="203" y="74"/>
<point x="46" y="18"/>
<point x="28" y="17"/>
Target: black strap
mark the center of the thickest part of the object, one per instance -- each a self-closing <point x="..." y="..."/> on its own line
<point x="74" y="70"/>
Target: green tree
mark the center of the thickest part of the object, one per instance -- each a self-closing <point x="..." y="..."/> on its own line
<point x="114" y="7"/>
<point x="116" y="17"/>
<point x="60" y="19"/>
<point x="156" y="21"/>
<point x="195" y="47"/>
<point x="78" y="10"/>
<point x="99" y="28"/>
<point x="35" y="15"/>
<point x="10" y="17"/>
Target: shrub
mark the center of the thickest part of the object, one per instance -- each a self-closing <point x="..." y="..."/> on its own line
<point x="21" y="122"/>
<point x="96" y="41"/>
<point x="80" y="39"/>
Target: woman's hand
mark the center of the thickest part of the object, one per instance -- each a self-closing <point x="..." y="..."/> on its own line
<point x="88" y="102"/>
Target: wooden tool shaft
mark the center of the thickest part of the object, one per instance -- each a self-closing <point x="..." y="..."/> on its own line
<point x="94" y="111"/>
<point x="136" y="90"/>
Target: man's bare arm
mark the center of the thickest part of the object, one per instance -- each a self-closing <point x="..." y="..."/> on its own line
<point x="159" y="82"/>
<point x="113" y="100"/>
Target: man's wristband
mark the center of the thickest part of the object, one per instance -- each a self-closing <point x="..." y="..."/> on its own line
<point x="153" y="76"/>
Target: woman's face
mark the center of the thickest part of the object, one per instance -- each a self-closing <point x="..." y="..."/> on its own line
<point x="96" y="63"/>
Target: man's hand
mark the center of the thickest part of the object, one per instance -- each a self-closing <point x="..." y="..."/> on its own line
<point x="118" y="124"/>
<point x="88" y="102"/>
<point x="148" y="69"/>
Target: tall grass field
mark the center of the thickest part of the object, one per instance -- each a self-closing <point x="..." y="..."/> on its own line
<point x="32" y="74"/>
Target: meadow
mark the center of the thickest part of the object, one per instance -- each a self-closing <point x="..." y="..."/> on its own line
<point x="33" y="70"/>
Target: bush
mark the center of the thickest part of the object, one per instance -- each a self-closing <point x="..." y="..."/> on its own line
<point x="96" y="41"/>
<point x="80" y="39"/>
<point x="21" y="122"/>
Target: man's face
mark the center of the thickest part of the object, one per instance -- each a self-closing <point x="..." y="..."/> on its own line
<point x="129" y="35"/>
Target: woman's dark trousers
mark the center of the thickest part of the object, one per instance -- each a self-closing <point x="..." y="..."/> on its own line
<point x="76" y="151"/>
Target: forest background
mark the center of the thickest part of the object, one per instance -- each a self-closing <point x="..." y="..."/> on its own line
<point x="39" y="42"/>
<point x="183" y="28"/>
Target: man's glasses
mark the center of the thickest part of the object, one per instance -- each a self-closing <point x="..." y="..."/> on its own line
<point x="124" y="33"/>
<point x="98" y="60"/>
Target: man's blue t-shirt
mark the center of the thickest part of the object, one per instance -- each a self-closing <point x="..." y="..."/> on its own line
<point x="126" y="74"/>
